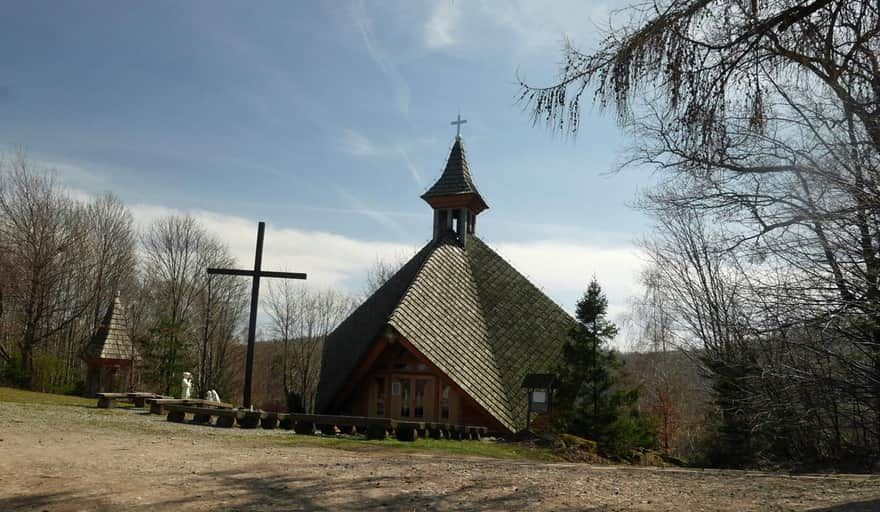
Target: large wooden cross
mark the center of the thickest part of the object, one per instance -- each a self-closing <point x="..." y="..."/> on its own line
<point x="256" y="274"/>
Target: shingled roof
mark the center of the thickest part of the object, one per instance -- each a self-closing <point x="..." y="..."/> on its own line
<point x="111" y="341"/>
<point x="456" y="178"/>
<point x="470" y="313"/>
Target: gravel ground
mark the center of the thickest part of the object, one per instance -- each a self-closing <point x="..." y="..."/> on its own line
<point x="75" y="458"/>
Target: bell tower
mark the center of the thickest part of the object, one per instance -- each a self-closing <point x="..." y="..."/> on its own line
<point x="454" y="198"/>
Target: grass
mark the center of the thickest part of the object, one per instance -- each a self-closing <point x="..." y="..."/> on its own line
<point x="425" y="446"/>
<point x="32" y="397"/>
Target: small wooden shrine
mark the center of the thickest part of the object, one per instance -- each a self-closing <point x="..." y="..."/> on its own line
<point x="110" y="353"/>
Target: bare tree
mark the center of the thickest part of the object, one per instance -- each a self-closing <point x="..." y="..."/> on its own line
<point x="112" y="239"/>
<point x="42" y="234"/>
<point x="763" y="119"/>
<point x="221" y="310"/>
<point x="301" y="319"/>
<point x="177" y="252"/>
<point x="380" y="272"/>
<point x="659" y="364"/>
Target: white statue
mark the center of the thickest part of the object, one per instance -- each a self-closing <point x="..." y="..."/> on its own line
<point x="186" y="386"/>
<point x="213" y="396"/>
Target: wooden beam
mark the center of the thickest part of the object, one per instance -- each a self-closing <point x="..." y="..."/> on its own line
<point x="360" y="371"/>
<point x="231" y="272"/>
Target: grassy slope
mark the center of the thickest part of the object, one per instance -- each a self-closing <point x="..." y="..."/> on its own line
<point x="468" y="448"/>
<point x="32" y="397"/>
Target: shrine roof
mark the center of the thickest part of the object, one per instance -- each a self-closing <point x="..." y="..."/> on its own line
<point x="456" y="178"/>
<point x="111" y="340"/>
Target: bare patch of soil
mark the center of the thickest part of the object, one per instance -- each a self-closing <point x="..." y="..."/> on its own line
<point x="74" y="458"/>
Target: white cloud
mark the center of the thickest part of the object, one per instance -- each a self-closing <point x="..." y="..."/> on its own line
<point x="414" y="170"/>
<point x="520" y="25"/>
<point x="380" y="217"/>
<point x="563" y="269"/>
<point x="329" y="260"/>
<point x="440" y="27"/>
<point x="72" y="175"/>
<point x="79" y="195"/>
<point x="357" y="144"/>
<point x="399" y="87"/>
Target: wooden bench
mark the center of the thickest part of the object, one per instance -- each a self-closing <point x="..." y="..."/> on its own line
<point x="157" y="405"/>
<point x="226" y="417"/>
<point x="301" y="423"/>
<point x="139" y="399"/>
<point x="108" y="400"/>
<point x="375" y="428"/>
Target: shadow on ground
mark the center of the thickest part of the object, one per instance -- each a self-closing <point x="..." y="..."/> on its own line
<point x="853" y="506"/>
<point x="229" y="490"/>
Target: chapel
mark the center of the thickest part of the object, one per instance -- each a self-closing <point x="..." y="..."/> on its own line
<point x="451" y="336"/>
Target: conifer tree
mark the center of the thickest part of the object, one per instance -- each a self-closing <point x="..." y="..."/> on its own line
<point x="592" y="401"/>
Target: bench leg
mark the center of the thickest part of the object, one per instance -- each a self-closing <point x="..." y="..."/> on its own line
<point x="304" y="427"/>
<point x="225" y="421"/>
<point x="329" y="430"/>
<point x="176" y="416"/>
<point x="202" y="418"/>
<point x="139" y="402"/>
<point x="105" y="403"/>
<point x="377" y="432"/>
<point x="407" y="434"/>
<point x="249" y="420"/>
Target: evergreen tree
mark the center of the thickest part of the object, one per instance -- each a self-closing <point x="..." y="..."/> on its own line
<point x="592" y="401"/>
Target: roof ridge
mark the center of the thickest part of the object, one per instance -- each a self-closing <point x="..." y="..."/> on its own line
<point x="433" y="244"/>
<point x="526" y="327"/>
<point x="524" y="276"/>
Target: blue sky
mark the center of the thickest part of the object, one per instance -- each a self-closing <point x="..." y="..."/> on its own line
<point x="327" y="120"/>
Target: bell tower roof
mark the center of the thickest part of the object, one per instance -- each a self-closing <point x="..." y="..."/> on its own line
<point x="455" y="186"/>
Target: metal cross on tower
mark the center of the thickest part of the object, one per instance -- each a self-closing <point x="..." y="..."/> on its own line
<point x="256" y="274"/>
<point x="458" y="122"/>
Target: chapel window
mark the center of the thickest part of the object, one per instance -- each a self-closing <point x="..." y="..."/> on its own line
<point x="404" y="398"/>
<point x="419" y="409"/>
<point x="380" y="396"/>
<point x="444" y="402"/>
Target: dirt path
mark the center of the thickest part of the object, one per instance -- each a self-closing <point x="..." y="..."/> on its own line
<point x="71" y="458"/>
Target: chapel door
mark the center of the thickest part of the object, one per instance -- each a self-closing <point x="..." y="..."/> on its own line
<point x="412" y="397"/>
